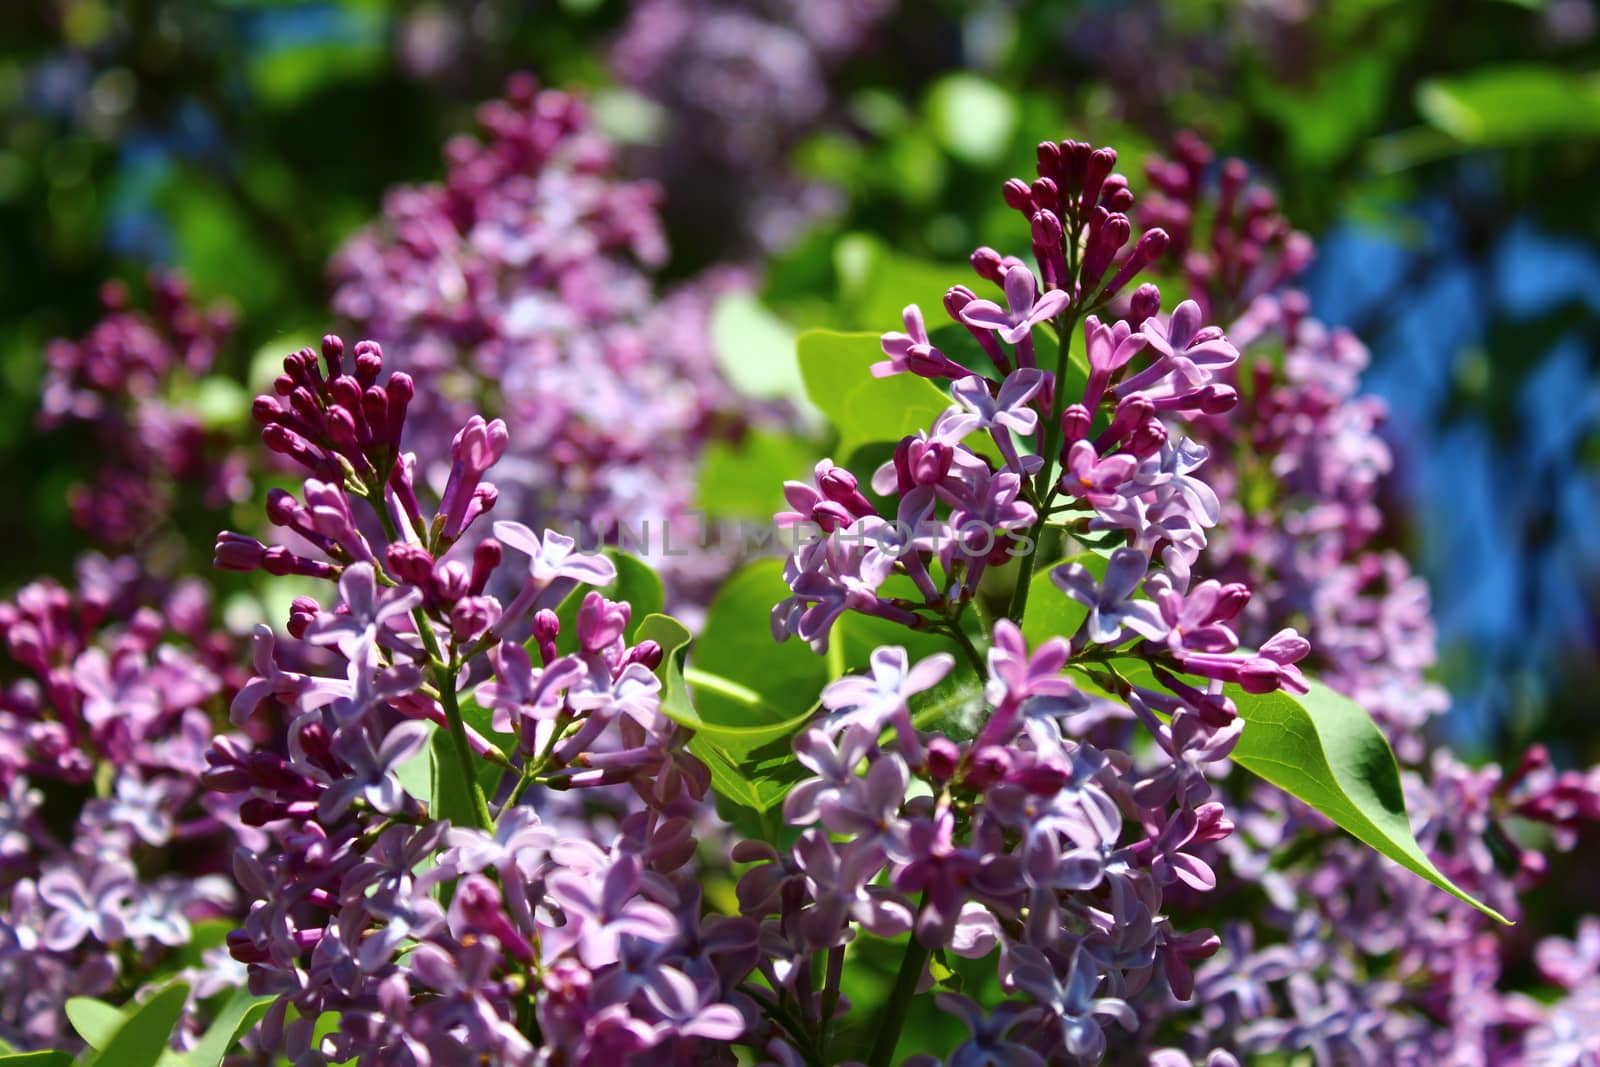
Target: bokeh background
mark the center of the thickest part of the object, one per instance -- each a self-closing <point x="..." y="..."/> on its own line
<point x="1442" y="152"/>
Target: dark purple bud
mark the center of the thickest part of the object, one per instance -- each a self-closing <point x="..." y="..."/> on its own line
<point x="473" y="616"/>
<point x="346" y="393"/>
<point x="237" y="552"/>
<point x="1075" y="422"/>
<point x="279" y="561"/>
<point x="333" y="354"/>
<point x="925" y="361"/>
<point x="1017" y="195"/>
<point x="1117" y="198"/>
<point x="943" y="759"/>
<point x="1147" y="440"/>
<point x="266" y="409"/>
<point x="283" y="509"/>
<point x="990" y="764"/>
<point x="301" y="613"/>
<point x="410" y="563"/>
<point x="1045" y="778"/>
<point x="485" y="558"/>
<point x="1230" y="601"/>
<point x="1146" y="301"/>
<point x="1152" y="246"/>
<point x="400" y="389"/>
<point x="375" y="410"/>
<point x="989" y="264"/>
<point x="647" y="653"/>
<point x="956" y="298"/>
<point x="1048" y="157"/>
<point x="546" y="628"/>
<point x="342" y="431"/>
<point x="1045" y="195"/>
<point x="1046" y="228"/>
<point x="451" y="580"/>
<point x="1074" y="164"/>
<point x="1096" y="169"/>
<point x="369" y="362"/>
<point x="1213" y="822"/>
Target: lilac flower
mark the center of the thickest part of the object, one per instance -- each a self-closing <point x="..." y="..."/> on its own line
<point x="370" y="614"/>
<point x="1007" y="413"/>
<point x="81" y="908"/>
<point x="1025" y="308"/>
<point x="1076" y="1010"/>
<point x="833" y="759"/>
<point x="1110" y="602"/>
<point x="910" y="351"/>
<point x="988" y="1046"/>
<point x="838" y="880"/>
<point x="598" y="917"/>
<point x="372" y="774"/>
<point x="553" y="569"/>
<point x="878" y="699"/>
<point x="685" y="1011"/>
<point x="1095" y="478"/>
<point x="286" y="687"/>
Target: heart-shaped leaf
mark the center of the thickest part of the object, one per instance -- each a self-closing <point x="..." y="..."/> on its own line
<point x="1324" y="750"/>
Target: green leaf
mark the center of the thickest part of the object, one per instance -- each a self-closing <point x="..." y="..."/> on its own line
<point x="736" y="645"/>
<point x="241" y="1012"/>
<point x="636" y="584"/>
<point x="1512" y="105"/>
<point x="751" y="694"/>
<point x="51" y="1058"/>
<point x="674" y="638"/>
<point x="754" y="348"/>
<point x="876" y="284"/>
<point x="94" y="1020"/>
<point x="864" y="409"/>
<point x="722" y="711"/>
<point x="417" y="774"/>
<point x="1324" y="750"/>
<point x="972" y="117"/>
<point x="745" y="479"/>
<point x="1051" y="613"/>
<point x="143" y="1039"/>
<point x="452" y="799"/>
<point x="751" y="763"/>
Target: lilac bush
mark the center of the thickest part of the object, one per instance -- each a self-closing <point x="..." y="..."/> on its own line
<point x="112" y="855"/>
<point x="1103" y="739"/>
<point x="413" y="886"/>
<point x="733" y="125"/>
<point x="132" y="383"/>
<point x="520" y="286"/>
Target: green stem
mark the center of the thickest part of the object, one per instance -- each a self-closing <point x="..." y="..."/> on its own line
<point x="968" y="648"/>
<point x="444" y="674"/>
<point x="1044" y="487"/>
<point x="899" y="1006"/>
<point x="444" y="677"/>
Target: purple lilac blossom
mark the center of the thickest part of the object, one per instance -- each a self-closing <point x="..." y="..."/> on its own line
<point x="484" y="931"/>
<point x="734" y="121"/>
<point x="1351" y="960"/>
<point x="520" y="284"/>
<point x="111" y="853"/>
<point x="121" y="381"/>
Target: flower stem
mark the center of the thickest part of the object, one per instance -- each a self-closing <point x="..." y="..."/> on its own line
<point x="899" y="1006"/>
<point x="967" y="647"/>
<point x="444" y="676"/>
<point x="1044" y="488"/>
